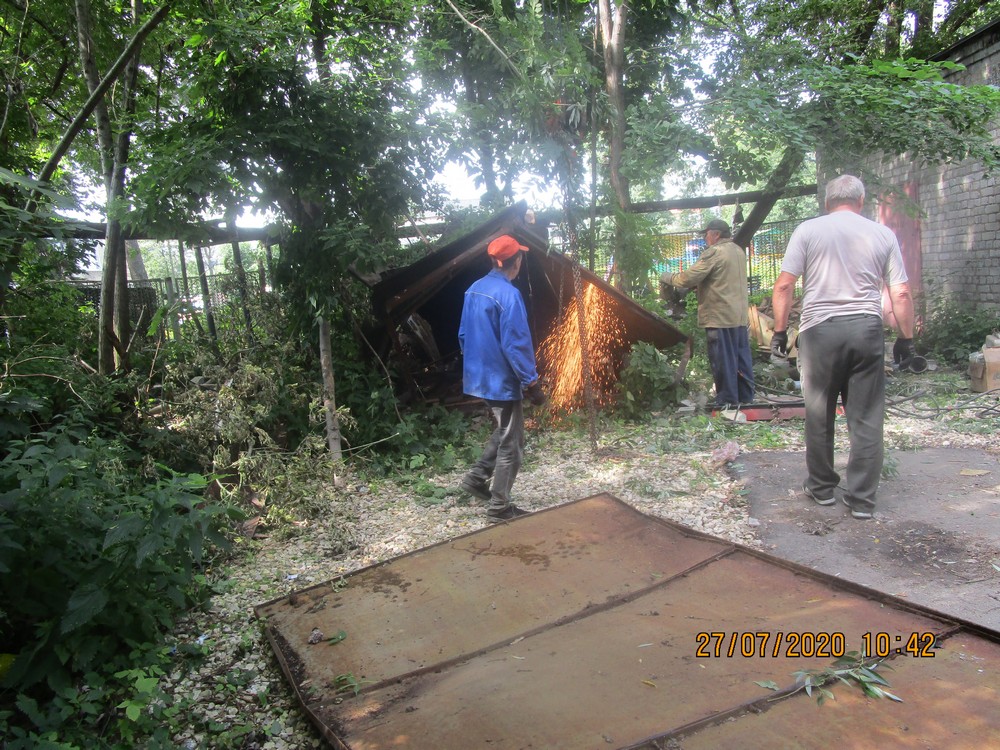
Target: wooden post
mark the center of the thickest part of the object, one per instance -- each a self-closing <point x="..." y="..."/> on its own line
<point x="270" y="259"/>
<point x="241" y="275"/>
<point x="206" y="296"/>
<point x="333" y="439"/>
<point x="175" y="325"/>
<point x="184" y="271"/>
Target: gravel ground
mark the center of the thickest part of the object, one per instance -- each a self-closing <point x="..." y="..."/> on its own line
<point x="236" y="696"/>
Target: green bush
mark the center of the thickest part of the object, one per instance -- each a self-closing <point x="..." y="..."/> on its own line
<point x="429" y="437"/>
<point x="93" y="562"/>
<point x="50" y="334"/>
<point x="952" y="330"/>
<point x="647" y="383"/>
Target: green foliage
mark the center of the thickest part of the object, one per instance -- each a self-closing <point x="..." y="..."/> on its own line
<point x="686" y="435"/>
<point x="124" y="709"/>
<point x="851" y="670"/>
<point x="44" y="378"/>
<point x="225" y="410"/>
<point x="428" y="438"/>
<point x="54" y="316"/>
<point x="944" y="122"/>
<point x="647" y="383"/>
<point x="244" y="392"/>
<point x="103" y="559"/>
<point x="952" y="330"/>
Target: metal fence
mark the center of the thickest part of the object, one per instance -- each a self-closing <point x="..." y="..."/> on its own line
<point x="676" y="251"/>
<point x="184" y="297"/>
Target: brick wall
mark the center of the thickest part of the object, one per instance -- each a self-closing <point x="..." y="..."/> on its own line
<point x="960" y="206"/>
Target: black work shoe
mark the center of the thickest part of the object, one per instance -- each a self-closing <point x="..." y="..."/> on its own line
<point x="476" y="489"/>
<point x="861" y="515"/>
<point x="507" y="514"/>
<point x="819" y="500"/>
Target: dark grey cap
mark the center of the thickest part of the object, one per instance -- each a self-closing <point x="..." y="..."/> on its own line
<point x="717" y="225"/>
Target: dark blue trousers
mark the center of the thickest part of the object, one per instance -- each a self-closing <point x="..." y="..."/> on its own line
<point x="732" y="365"/>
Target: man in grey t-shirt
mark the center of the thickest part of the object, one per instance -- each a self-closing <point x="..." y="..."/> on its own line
<point x="844" y="260"/>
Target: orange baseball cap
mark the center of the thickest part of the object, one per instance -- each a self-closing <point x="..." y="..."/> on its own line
<point x="504" y="247"/>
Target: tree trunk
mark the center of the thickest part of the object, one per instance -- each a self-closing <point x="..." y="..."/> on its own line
<point x="136" y="264"/>
<point x="206" y="296"/>
<point x="98" y="90"/>
<point x="333" y="438"/>
<point x="492" y="194"/>
<point x="85" y="40"/>
<point x="592" y="234"/>
<point x="113" y="331"/>
<point x="612" y="26"/>
<point x="112" y="238"/>
<point x="894" y="29"/>
<point x="241" y="274"/>
<point x="772" y="193"/>
<point x="184" y="271"/>
<point x="923" y="28"/>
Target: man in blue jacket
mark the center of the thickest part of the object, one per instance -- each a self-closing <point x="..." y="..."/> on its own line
<point x="499" y="367"/>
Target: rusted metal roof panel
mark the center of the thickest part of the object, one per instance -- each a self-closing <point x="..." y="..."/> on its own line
<point x="949" y="701"/>
<point x="581" y="625"/>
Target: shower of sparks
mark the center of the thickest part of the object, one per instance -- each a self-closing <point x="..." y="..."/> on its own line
<point x="561" y="357"/>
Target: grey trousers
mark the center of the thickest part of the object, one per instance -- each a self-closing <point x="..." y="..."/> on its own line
<point x="844" y="357"/>
<point x="503" y="453"/>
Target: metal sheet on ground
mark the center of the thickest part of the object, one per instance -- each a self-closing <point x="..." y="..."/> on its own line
<point x="949" y="701"/>
<point x="581" y="625"/>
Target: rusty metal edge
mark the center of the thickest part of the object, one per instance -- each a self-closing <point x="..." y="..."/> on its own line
<point x="756" y="706"/>
<point x="328" y="732"/>
<point x="835" y="582"/>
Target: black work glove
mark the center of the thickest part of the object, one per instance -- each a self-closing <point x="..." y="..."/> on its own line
<point x="666" y="288"/>
<point x="903" y="352"/>
<point x="779" y="344"/>
<point x="535" y="394"/>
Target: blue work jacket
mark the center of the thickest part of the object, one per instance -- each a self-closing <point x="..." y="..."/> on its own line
<point x="498" y="357"/>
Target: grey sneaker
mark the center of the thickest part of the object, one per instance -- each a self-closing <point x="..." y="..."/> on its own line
<point x="476" y="488"/>
<point x="819" y="500"/>
<point x="507" y="514"/>
<point x="861" y="515"/>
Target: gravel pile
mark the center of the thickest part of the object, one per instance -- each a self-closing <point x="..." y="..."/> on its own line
<point x="236" y="696"/>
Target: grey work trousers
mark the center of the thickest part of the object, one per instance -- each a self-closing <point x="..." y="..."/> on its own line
<point x="844" y="357"/>
<point x="503" y="453"/>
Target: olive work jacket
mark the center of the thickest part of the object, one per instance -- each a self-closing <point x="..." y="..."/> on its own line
<point x="720" y="275"/>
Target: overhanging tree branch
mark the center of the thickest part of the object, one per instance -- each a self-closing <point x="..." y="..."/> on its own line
<point x="791" y="160"/>
<point x="112" y="75"/>
<point x="488" y="38"/>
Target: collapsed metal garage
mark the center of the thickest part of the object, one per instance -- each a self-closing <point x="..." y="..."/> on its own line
<point x="420" y="307"/>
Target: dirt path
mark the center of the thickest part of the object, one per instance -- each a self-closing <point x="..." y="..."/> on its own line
<point x="934" y="541"/>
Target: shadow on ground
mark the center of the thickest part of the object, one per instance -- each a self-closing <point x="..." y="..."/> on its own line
<point x="934" y="541"/>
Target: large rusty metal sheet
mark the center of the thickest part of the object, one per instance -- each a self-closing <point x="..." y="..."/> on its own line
<point x="580" y="626"/>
